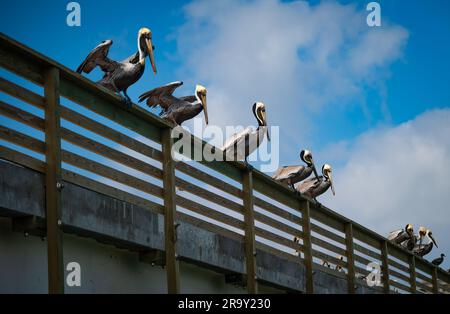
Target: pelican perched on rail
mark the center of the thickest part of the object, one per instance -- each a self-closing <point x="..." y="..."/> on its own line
<point x="121" y="75"/>
<point x="240" y="145"/>
<point x="424" y="249"/>
<point x="294" y="174"/>
<point x="176" y="109"/>
<point x="314" y="187"/>
<point x="438" y="261"/>
<point x="424" y="232"/>
<point x="401" y="235"/>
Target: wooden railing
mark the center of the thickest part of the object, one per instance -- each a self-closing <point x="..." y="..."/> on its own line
<point x="131" y="148"/>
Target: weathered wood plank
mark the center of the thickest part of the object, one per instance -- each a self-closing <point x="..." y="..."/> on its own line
<point x="22" y="140"/>
<point x="260" y="232"/>
<point x="209" y="226"/>
<point x="21" y="116"/>
<point x="327" y="233"/>
<point x="21" y="159"/>
<point x="107" y="132"/>
<point x="208" y="212"/>
<point x="110" y="153"/>
<point x="307" y="244"/>
<point x="385" y="266"/>
<point x="53" y="182"/>
<point x="249" y="225"/>
<point x="278" y="225"/>
<point x="207" y="195"/>
<point x="350" y="258"/>
<point x="110" y="191"/>
<point x="328" y="246"/>
<point x="110" y="173"/>
<point x="173" y="272"/>
<point x="412" y="274"/>
<point x="21" y="93"/>
<point x="209" y="179"/>
<point x="277" y="211"/>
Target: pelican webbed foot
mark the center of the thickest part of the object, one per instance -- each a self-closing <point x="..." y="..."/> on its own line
<point x="127" y="100"/>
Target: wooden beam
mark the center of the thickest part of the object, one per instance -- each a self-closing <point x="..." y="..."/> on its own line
<point x="249" y="225"/>
<point x="172" y="265"/>
<point x="412" y="273"/>
<point x="350" y="258"/>
<point x="385" y="266"/>
<point x="435" y="280"/>
<point x="53" y="181"/>
<point x="307" y="244"/>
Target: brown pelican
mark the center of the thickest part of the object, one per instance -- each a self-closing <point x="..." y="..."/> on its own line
<point x="424" y="232"/>
<point x="293" y="174"/>
<point x="314" y="187"/>
<point x="438" y="261"/>
<point x="176" y="109"/>
<point x="401" y="235"/>
<point x="423" y="250"/>
<point x="121" y="75"/>
<point x="242" y="144"/>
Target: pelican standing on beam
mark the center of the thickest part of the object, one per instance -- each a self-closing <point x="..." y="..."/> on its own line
<point x="240" y="145"/>
<point x="423" y="250"/>
<point x="314" y="187"/>
<point x="121" y="75"/>
<point x="401" y="235"/>
<point x="176" y="109"/>
<point x="294" y="174"/>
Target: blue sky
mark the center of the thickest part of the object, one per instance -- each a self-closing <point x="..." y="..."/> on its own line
<point x="376" y="94"/>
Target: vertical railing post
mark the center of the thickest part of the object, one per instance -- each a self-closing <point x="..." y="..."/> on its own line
<point x="385" y="266"/>
<point x="435" y="280"/>
<point x="412" y="274"/>
<point x="249" y="222"/>
<point x="172" y="266"/>
<point x="53" y="181"/>
<point x="350" y="258"/>
<point x="307" y="245"/>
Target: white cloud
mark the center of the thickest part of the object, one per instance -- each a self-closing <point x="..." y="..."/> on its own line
<point x="296" y="57"/>
<point x="392" y="176"/>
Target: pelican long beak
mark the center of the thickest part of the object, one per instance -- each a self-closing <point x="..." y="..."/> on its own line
<point x="149" y="44"/>
<point x="331" y="183"/>
<point x="205" y="107"/>
<point x="432" y="239"/>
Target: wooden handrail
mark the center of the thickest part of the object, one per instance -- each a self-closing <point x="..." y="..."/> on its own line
<point x="59" y="81"/>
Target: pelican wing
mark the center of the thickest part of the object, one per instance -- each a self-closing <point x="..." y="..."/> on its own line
<point x="99" y="57"/>
<point x="190" y="98"/>
<point x="287" y="172"/>
<point x="393" y="234"/>
<point x="134" y="58"/>
<point x="308" y="184"/>
<point x="236" y="138"/>
<point x="157" y="96"/>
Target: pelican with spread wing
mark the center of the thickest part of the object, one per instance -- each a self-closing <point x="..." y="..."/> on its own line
<point x="118" y="76"/>
<point x="401" y="235"/>
<point x="240" y="145"/>
<point x="294" y="174"/>
<point x="317" y="186"/>
<point x="176" y="109"/>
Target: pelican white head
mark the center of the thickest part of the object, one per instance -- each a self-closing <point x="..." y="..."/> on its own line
<point x="200" y="94"/>
<point x="146" y="47"/>
<point x="326" y="171"/>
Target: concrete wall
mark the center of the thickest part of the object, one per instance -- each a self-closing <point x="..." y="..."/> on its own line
<point x="90" y="217"/>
